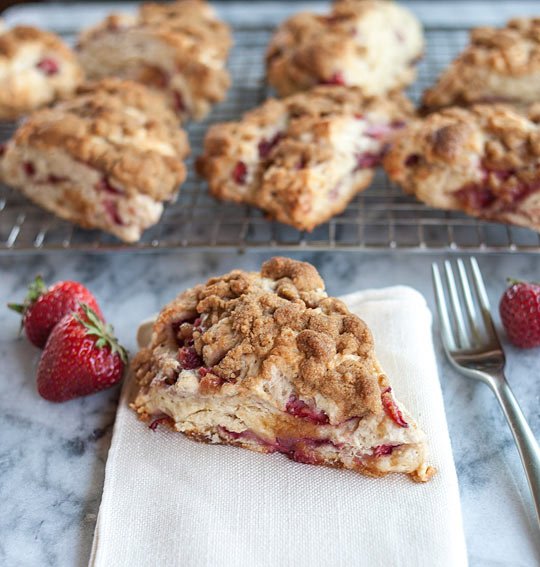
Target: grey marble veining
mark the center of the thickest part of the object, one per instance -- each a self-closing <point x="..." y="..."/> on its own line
<point x="52" y="456"/>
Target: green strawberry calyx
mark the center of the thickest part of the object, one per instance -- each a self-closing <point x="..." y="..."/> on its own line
<point x="513" y="281"/>
<point x="104" y="332"/>
<point x="35" y="290"/>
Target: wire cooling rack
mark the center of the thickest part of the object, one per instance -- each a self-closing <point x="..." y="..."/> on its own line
<point x="380" y="218"/>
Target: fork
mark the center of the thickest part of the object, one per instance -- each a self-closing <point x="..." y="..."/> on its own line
<point x="473" y="348"/>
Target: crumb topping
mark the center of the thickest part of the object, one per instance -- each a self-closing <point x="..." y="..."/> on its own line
<point x="484" y="159"/>
<point x="249" y="328"/>
<point x="108" y="126"/>
<point x="498" y="65"/>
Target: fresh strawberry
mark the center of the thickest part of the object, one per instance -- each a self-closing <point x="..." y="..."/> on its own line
<point x="43" y="308"/>
<point x="81" y="357"/>
<point x="520" y="313"/>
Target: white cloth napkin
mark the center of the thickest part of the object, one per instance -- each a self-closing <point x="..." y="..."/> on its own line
<point x="171" y="501"/>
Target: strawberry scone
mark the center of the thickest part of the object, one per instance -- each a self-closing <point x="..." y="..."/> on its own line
<point x="498" y="65"/>
<point x="178" y="48"/>
<point x="36" y="68"/>
<point x="107" y="159"/>
<point x="484" y="161"/>
<point x="267" y="361"/>
<point x="302" y="158"/>
<point x="372" y="44"/>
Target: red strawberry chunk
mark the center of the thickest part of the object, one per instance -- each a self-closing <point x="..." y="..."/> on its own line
<point x="111" y="208"/>
<point x="2" y="149"/>
<point x="391" y="408"/>
<point x="300" y="409"/>
<point x="336" y="79"/>
<point x="382" y="450"/>
<point x="188" y="357"/>
<point x="178" y="101"/>
<point x="266" y="146"/>
<point x="29" y="168"/>
<point x="367" y="160"/>
<point x="240" y="173"/>
<point x="56" y="178"/>
<point x="412" y="160"/>
<point x="48" y="66"/>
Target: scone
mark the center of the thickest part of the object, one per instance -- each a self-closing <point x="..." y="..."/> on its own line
<point x="302" y="158"/>
<point x="179" y="49"/>
<point x="372" y="44"/>
<point x="106" y="159"/>
<point x="499" y="65"/>
<point x="484" y="161"/>
<point x="267" y="361"/>
<point x="36" y="68"/>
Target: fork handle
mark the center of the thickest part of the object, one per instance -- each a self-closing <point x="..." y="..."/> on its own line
<point x="524" y="438"/>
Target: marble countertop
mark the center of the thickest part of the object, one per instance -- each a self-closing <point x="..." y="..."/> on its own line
<point x="52" y="457"/>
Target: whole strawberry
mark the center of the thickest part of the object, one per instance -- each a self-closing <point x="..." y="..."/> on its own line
<point x="81" y="357"/>
<point x="520" y="313"/>
<point x="44" y="307"/>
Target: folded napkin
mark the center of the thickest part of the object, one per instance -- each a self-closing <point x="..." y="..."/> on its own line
<point x="171" y="501"/>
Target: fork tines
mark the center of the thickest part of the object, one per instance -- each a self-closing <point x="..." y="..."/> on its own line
<point x="463" y="306"/>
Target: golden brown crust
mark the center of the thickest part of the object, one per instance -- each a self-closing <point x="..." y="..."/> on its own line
<point x="119" y="128"/>
<point x="498" y="65"/>
<point x="12" y="40"/>
<point x="343" y="47"/>
<point x="484" y="160"/>
<point x="36" y="68"/>
<point x="193" y="45"/>
<point x="300" y="158"/>
<point x="106" y="158"/>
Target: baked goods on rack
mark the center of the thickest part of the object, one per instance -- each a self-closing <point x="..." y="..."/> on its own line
<point x="36" y="68"/>
<point x="178" y="48"/>
<point x="372" y="44"/>
<point x="484" y="160"/>
<point x="107" y="158"/>
<point x="302" y="158"/>
<point x="267" y="361"/>
<point x="498" y="65"/>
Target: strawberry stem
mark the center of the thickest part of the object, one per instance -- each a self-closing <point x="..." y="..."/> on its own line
<point x="35" y="290"/>
<point x="104" y="332"/>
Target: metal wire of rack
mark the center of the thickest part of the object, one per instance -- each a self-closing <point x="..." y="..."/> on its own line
<point x="380" y="218"/>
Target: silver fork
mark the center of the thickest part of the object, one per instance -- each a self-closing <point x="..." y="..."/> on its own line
<point x="473" y="348"/>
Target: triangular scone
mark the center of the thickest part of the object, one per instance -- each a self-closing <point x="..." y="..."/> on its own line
<point x="498" y="65"/>
<point x="267" y="361"/>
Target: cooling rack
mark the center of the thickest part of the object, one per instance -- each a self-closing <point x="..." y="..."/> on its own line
<point x="380" y="218"/>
